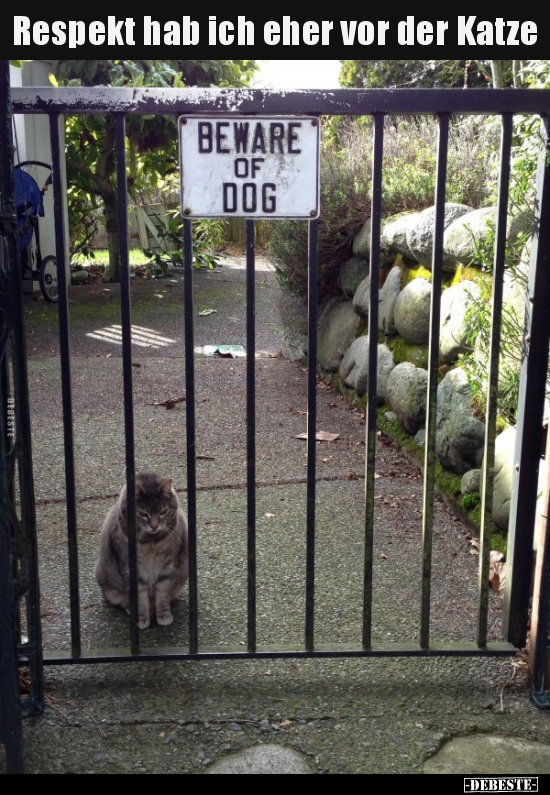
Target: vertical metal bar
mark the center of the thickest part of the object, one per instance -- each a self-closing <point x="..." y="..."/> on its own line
<point x="10" y="709"/>
<point x="66" y="387"/>
<point x="433" y="373"/>
<point x="191" y="434"/>
<point x="251" y="426"/>
<point x="530" y="413"/>
<point x="126" y="320"/>
<point x="372" y="391"/>
<point x="492" y="394"/>
<point x="538" y="646"/>
<point x="311" y="434"/>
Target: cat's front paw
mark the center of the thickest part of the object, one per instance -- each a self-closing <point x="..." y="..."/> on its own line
<point x="165" y="618"/>
<point x="144" y="622"/>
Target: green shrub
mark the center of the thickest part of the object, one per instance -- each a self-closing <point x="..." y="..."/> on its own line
<point x="208" y="239"/>
<point x="408" y="185"/>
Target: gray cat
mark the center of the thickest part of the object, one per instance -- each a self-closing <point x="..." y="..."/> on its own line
<point x="161" y="550"/>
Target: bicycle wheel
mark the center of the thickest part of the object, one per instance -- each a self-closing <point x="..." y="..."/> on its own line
<point x="47" y="278"/>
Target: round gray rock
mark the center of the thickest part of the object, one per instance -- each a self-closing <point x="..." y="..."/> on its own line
<point x="354" y="370"/>
<point x="471" y="482"/>
<point x="351" y="274"/>
<point x="412" y="312"/>
<point x="361" y="299"/>
<point x="80" y="276"/>
<point x="460" y="437"/>
<point x="361" y="243"/>
<point x="420" y="438"/>
<point x="388" y="299"/>
<point x="420" y="236"/>
<point x="263" y="760"/>
<point x="395" y="231"/>
<point x="505" y="448"/>
<point x="338" y="326"/>
<point x="465" y="234"/>
<point x="482" y="754"/>
<point x="456" y="302"/>
<point x="407" y="394"/>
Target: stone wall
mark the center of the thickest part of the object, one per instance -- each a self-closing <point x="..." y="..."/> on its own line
<point x="404" y="326"/>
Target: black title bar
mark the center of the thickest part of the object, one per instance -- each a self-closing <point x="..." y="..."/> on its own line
<point x="250" y="36"/>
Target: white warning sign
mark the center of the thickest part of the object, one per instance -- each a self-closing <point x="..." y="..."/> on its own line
<point x="250" y="166"/>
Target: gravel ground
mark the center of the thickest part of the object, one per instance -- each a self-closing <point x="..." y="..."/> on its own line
<point x="350" y="716"/>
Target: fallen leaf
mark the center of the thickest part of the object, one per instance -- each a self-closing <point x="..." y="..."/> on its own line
<point x="383" y="556"/>
<point x="377" y="476"/>
<point x="321" y="436"/>
<point x="208" y="312"/>
<point x="171" y="403"/>
<point x="270" y="516"/>
<point x="109" y="356"/>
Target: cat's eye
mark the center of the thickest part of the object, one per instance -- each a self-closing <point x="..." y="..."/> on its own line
<point x="143" y="514"/>
<point x="164" y="512"/>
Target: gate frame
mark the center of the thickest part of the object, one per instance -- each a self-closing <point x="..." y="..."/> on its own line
<point x="442" y="103"/>
<point x="19" y="585"/>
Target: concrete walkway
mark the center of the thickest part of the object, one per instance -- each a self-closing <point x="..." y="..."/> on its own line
<point x="347" y="716"/>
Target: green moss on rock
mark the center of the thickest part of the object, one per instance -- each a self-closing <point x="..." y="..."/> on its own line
<point x="403" y="352"/>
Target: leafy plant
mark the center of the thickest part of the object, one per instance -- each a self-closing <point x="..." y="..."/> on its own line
<point x="208" y="239"/>
<point x="479" y="330"/>
<point x="527" y="147"/>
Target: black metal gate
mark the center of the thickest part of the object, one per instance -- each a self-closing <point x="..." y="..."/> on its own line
<point x="20" y="637"/>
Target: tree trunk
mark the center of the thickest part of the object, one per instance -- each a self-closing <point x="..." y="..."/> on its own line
<point x="112" y="271"/>
<point x="517" y="67"/>
<point x="498" y="74"/>
<point x="105" y="170"/>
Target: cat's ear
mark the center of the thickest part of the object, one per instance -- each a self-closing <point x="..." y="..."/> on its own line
<point x="140" y="489"/>
<point x="166" y="486"/>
